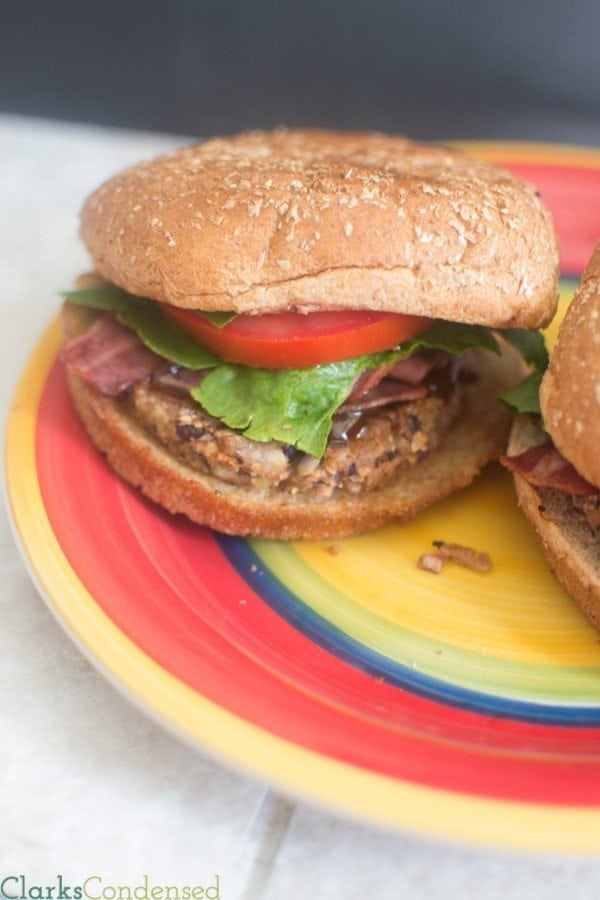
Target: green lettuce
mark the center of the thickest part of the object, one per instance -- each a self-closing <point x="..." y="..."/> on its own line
<point x="153" y="327"/>
<point x="218" y="319"/>
<point x="530" y="344"/>
<point x="525" y="397"/>
<point x="296" y="406"/>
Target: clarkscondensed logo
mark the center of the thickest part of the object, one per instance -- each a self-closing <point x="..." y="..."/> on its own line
<point x="94" y="887"/>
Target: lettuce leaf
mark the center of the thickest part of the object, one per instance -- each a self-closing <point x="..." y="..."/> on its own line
<point x="153" y="327"/>
<point x="296" y="406"/>
<point x="525" y="397"/>
<point x="218" y="319"/>
<point x="530" y="344"/>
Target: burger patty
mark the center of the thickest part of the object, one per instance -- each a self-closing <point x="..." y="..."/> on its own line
<point x="365" y="448"/>
<point x="590" y="507"/>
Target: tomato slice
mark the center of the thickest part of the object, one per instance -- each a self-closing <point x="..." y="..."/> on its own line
<point x="294" y="340"/>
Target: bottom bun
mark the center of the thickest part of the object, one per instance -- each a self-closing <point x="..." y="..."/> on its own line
<point x="478" y="435"/>
<point x="571" y="546"/>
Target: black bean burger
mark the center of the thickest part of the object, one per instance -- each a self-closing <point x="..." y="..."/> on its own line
<point x="304" y="333"/>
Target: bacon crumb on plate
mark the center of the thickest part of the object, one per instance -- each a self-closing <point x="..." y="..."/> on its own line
<point x="431" y="562"/>
<point x="463" y="556"/>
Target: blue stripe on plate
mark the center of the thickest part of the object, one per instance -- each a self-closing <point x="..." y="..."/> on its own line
<point x="309" y="623"/>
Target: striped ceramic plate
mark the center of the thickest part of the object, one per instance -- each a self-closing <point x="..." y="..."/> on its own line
<point x="463" y="705"/>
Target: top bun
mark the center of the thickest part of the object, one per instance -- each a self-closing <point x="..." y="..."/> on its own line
<point x="570" y="391"/>
<point x="308" y="220"/>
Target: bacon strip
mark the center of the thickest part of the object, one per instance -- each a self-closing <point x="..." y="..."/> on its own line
<point x="178" y="378"/>
<point x="385" y="393"/>
<point x="411" y="371"/>
<point x="110" y="357"/>
<point x="416" y="367"/>
<point x="368" y="381"/>
<point x="543" y="466"/>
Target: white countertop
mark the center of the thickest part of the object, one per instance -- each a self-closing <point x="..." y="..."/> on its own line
<point x="88" y="784"/>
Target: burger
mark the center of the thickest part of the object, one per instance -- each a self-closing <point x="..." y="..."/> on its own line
<point x="303" y="334"/>
<point x="555" y="455"/>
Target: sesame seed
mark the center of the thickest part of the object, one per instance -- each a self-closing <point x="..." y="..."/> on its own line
<point x="284" y="264"/>
<point x="348" y="229"/>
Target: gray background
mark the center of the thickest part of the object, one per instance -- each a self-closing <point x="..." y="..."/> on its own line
<point x="437" y="68"/>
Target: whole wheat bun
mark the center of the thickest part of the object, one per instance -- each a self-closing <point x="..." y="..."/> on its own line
<point x="306" y="220"/>
<point x="477" y="436"/>
<point x="570" y="390"/>
<point x="570" y="546"/>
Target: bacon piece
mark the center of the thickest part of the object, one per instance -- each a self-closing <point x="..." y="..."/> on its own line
<point x="464" y="556"/>
<point x="368" y="381"/>
<point x="385" y="393"/>
<point x="410" y="371"/>
<point x="416" y="367"/>
<point x="431" y="562"/>
<point x="110" y="357"/>
<point x="543" y="466"/>
<point x="178" y="379"/>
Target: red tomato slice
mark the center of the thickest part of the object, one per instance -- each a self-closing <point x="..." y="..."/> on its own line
<point x="294" y="340"/>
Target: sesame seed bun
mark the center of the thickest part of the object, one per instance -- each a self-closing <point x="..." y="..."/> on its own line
<point x="570" y="391"/>
<point x="308" y="220"/>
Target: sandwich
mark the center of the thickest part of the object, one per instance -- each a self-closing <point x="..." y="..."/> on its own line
<point x="303" y="334"/>
<point x="554" y="450"/>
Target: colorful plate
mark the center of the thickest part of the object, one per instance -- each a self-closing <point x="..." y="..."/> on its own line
<point x="459" y="705"/>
